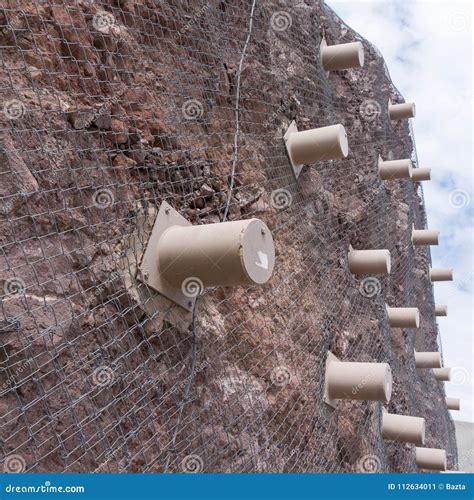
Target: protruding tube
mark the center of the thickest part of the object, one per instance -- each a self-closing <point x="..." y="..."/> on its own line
<point x="403" y="428"/>
<point x="441" y="274"/>
<point x="421" y="174"/>
<point x="424" y="237"/>
<point x="363" y="381"/>
<point x="342" y="56"/>
<point x="180" y="260"/>
<point x="401" y="111"/>
<point x="223" y="254"/>
<point x="441" y="310"/>
<point x="442" y="374"/>
<point x="453" y="403"/>
<point x="395" y="169"/>
<point x="431" y="458"/>
<point x="371" y="262"/>
<point x="403" y="317"/>
<point x="317" y="144"/>
<point x="428" y="359"/>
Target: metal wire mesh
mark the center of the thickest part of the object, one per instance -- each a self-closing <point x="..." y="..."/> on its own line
<point x="110" y="108"/>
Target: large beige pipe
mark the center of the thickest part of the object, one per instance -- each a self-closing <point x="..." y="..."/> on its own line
<point x="394" y="169"/>
<point x="342" y="56"/>
<point x="317" y="144"/>
<point x="223" y="254"/>
<point x="363" y="381"/>
<point x="431" y="458"/>
<point x="453" y="403"/>
<point x="428" y="359"/>
<point x="441" y="310"/>
<point x="403" y="428"/>
<point x="369" y="262"/>
<point x="401" y="111"/>
<point x="421" y="174"/>
<point x="442" y="374"/>
<point x="403" y="317"/>
<point x="424" y="237"/>
<point x="440" y="274"/>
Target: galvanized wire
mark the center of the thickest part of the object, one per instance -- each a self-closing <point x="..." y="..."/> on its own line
<point x="108" y="111"/>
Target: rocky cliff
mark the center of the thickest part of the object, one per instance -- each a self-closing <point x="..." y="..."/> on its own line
<point x="111" y="107"/>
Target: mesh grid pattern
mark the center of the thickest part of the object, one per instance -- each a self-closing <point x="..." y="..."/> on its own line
<point x="110" y="108"/>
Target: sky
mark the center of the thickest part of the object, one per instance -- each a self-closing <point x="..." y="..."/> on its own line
<point x="427" y="46"/>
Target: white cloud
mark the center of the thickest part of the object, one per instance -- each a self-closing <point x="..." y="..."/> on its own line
<point x="427" y="46"/>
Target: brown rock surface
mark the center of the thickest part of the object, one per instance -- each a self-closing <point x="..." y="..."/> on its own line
<point x="126" y="107"/>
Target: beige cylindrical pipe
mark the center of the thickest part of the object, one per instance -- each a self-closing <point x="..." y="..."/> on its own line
<point x="363" y="381"/>
<point x="428" y="359"/>
<point x="342" y="56"/>
<point x="421" y="174"/>
<point x="395" y="169"/>
<point x="403" y="317"/>
<point x="369" y="262"/>
<point x="441" y="310"/>
<point x="431" y="458"/>
<point x="318" y="144"/>
<point x="453" y="403"/>
<point x="401" y="111"/>
<point x="424" y="236"/>
<point x="442" y="374"/>
<point x="223" y="254"/>
<point x="441" y="274"/>
<point x="403" y="428"/>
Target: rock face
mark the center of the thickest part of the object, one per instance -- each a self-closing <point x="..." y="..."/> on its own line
<point x="109" y="112"/>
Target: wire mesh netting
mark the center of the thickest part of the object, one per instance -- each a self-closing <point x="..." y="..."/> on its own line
<point x="111" y="108"/>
